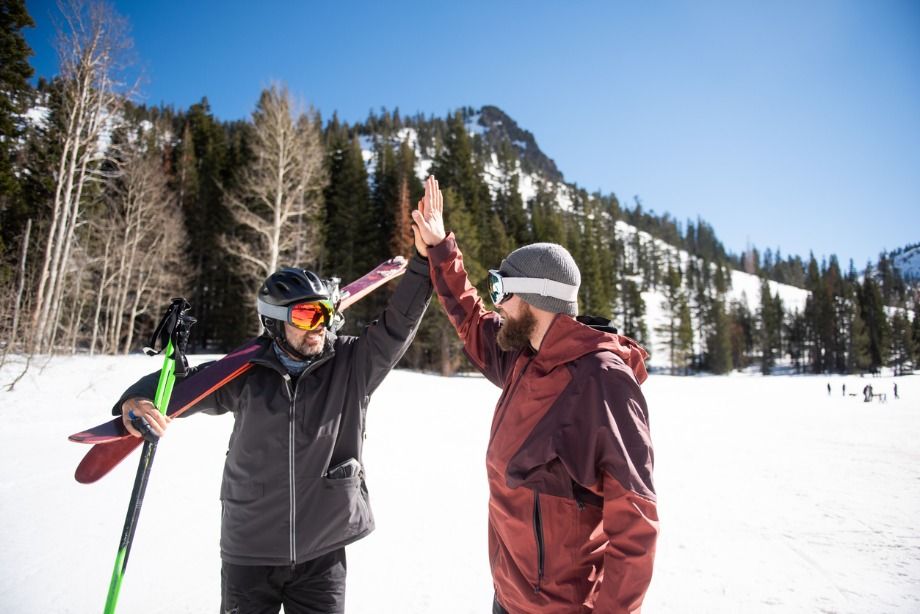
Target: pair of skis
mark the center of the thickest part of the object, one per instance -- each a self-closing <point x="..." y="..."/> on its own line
<point x="112" y="442"/>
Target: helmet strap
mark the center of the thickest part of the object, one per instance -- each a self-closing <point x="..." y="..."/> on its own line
<point x="276" y="332"/>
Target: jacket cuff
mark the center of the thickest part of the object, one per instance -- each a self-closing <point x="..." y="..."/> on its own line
<point x="443" y="250"/>
<point x="418" y="264"/>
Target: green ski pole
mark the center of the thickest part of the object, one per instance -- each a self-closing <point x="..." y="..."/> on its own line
<point x="173" y="330"/>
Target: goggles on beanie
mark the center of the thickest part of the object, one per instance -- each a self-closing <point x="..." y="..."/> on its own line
<point x="501" y="287"/>
<point x="308" y="315"/>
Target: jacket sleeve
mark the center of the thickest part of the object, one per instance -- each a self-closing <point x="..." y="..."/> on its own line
<point x="624" y="461"/>
<point x="631" y="525"/>
<point x="146" y="388"/>
<point x="476" y="326"/>
<point x="385" y="340"/>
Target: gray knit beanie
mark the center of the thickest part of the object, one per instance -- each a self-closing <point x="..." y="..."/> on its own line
<point x="544" y="261"/>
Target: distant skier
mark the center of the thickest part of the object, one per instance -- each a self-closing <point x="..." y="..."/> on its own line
<point x="896" y="391"/>
<point x="867" y="393"/>
<point x="844" y="393"/>
<point x="828" y="389"/>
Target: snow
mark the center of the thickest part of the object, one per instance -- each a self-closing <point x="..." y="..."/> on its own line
<point x="909" y="263"/>
<point x="38" y="116"/>
<point x="773" y="497"/>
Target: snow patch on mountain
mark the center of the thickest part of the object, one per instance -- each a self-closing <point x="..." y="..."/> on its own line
<point x="908" y="263"/>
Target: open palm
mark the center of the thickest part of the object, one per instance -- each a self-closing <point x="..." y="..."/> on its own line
<point x="429" y="217"/>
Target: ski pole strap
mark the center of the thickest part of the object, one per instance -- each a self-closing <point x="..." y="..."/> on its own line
<point x="174" y="328"/>
<point x="167" y="327"/>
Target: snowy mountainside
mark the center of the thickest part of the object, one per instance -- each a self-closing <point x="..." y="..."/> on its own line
<point x="492" y="125"/>
<point x="908" y="263"/>
<point x="745" y="287"/>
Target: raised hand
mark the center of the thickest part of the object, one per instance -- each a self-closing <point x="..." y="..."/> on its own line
<point x="429" y="218"/>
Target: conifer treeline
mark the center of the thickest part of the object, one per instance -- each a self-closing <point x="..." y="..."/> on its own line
<point x="172" y="204"/>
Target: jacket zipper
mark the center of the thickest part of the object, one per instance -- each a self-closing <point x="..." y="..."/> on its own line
<point x="292" y="486"/>
<point x="538" y="533"/>
<point x="504" y="401"/>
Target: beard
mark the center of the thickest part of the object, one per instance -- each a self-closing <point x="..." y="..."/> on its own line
<point x="515" y="333"/>
<point x="310" y="345"/>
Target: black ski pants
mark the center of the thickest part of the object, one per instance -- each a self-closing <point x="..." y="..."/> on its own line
<point x="313" y="587"/>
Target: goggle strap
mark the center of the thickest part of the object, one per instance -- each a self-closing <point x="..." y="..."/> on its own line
<point x="543" y="287"/>
<point x="275" y="312"/>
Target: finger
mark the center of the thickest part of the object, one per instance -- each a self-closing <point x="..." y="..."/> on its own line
<point x="130" y="427"/>
<point x="157" y="422"/>
<point x="128" y="414"/>
<point x="438" y="199"/>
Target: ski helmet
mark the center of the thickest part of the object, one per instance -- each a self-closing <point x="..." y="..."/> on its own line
<point x="283" y="288"/>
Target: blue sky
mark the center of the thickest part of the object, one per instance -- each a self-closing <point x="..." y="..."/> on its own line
<point x="784" y="124"/>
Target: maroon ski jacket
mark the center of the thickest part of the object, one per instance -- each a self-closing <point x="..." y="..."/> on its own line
<point x="572" y="514"/>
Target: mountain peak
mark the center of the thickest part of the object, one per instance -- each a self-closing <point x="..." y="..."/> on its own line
<point x="498" y="127"/>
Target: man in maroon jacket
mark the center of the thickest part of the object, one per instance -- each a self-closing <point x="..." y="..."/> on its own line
<point x="572" y="514"/>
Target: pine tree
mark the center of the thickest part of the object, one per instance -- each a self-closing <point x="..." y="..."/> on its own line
<point x="15" y="95"/>
<point x="632" y="308"/>
<point x="902" y="344"/>
<point x="771" y="321"/>
<point x="510" y="208"/>
<point x="545" y="218"/>
<point x="347" y="199"/>
<point x="410" y="190"/>
<point x="457" y="167"/>
<point x="718" y="344"/>
<point x="859" y="357"/>
<point x="915" y="333"/>
<point x="216" y="289"/>
<point x="743" y="332"/>
<point x="797" y="339"/>
<point x="684" y="336"/>
<point x="592" y="252"/>
<point x="671" y="305"/>
<point x="873" y="314"/>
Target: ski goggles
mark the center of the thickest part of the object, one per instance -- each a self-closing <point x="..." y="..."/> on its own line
<point x="308" y="315"/>
<point x="501" y="287"/>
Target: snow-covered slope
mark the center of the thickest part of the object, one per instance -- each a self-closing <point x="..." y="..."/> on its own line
<point x="908" y="263"/>
<point x="756" y="517"/>
<point x="744" y="287"/>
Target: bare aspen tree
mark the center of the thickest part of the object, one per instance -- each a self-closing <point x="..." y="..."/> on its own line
<point x="21" y="283"/>
<point x="141" y="238"/>
<point x="90" y="46"/>
<point x="277" y="202"/>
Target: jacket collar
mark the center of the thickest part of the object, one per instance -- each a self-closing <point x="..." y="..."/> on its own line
<point x="266" y="355"/>
<point x="567" y="340"/>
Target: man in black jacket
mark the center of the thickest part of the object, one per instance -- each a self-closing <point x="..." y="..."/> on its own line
<point x="293" y="490"/>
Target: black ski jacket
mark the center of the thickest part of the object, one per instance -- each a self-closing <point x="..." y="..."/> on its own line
<point x="280" y="505"/>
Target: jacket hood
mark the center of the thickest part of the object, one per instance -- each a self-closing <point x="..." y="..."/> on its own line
<point x="568" y="339"/>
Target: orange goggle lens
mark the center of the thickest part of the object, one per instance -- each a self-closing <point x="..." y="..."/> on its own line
<point x="312" y="315"/>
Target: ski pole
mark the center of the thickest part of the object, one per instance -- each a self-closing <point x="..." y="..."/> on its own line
<point x="173" y="329"/>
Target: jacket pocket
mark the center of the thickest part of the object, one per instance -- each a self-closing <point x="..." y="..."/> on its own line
<point x="240" y="492"/>
<point x="538" y="537"/>
<point x="343" y="483"/>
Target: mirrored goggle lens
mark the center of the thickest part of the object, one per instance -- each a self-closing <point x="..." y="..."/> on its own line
<point x="496" y="288"/>
<point x="308" y="316"/>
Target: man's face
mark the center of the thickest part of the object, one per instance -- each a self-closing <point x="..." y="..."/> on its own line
<point x="308" y="342"/>
<point x="519" y="324"/>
